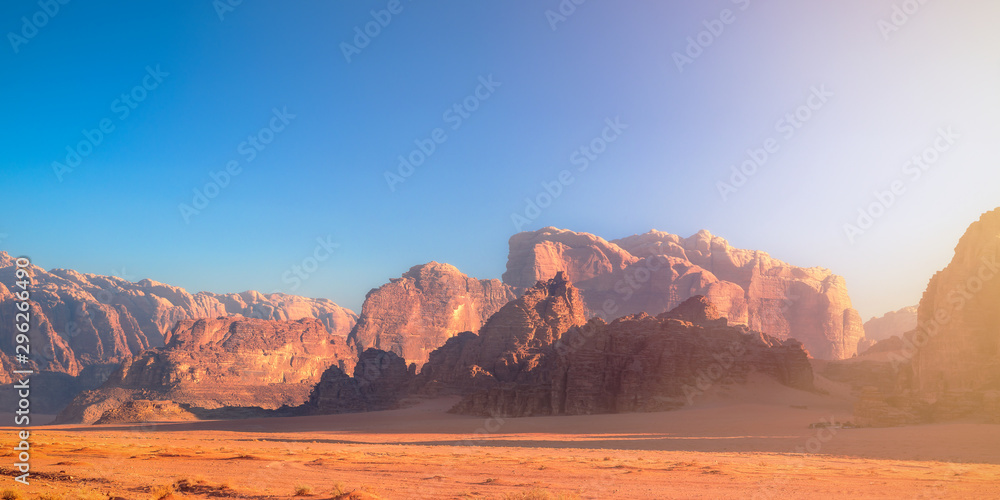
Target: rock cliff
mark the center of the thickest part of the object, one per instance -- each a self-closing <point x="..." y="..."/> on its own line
<point x="85" y="319"/>
<point x="222" y="362"/>
<point x="957" y="340"/>
<point x="656" y="271"/>
<point x="416" y="313"/>
<point x="381" y="379"/>
<point x="539" y="356"/>
<point x="511" y="341"/>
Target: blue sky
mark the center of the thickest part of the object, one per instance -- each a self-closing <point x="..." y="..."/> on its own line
<point x="889" y="85"/>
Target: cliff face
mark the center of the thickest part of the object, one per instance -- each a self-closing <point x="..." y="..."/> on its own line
<point x="958" y="335"/>
<point x="655" y="272"/>
<point x="416" y="313"/>
<point x="380" y="380"/>
<point x="213" y="363"/>
<point x="510" y="343"/>
<point x="538" y="356"/>
<point x="80" y="320"/>
<point x="642" y="363"/>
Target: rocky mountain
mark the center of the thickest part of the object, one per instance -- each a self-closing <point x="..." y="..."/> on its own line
<point x="416" y="313"/>
<point x="957" y="342"/>
<point x="509" y="343"/>
<point x="893" y="323"/>
<point x="85" y="319"/>
<point x="82" y="325"/>
<point x="656" y="271"/>
<point x="222" y="362"/>
<point x="539" y="356"/>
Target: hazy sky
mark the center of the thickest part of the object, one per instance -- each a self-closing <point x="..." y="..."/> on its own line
<point x="309" y="114"/>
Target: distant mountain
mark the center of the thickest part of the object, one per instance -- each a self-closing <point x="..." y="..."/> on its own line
<point x="224" y="362"/>
<point x="84" y="319"/>
<point x="893" y="323"/>
<point x="83" y="325"/>
<point x="416" y="313"/>
<point x="656" y="271"/>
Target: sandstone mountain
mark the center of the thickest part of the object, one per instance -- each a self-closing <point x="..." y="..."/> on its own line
<point x="509" y="343"/>
<point x="83" y="325"/>
<point x="538" y="356"/>
<point x="416" y="313"/>
<point x="958" y="337"/>
<point x="85" y="319"/>
<point x="656" y="271"/>
<point x="948" y="366"/>
<point x="222" y="362"/>
<point x="893" y="323"/>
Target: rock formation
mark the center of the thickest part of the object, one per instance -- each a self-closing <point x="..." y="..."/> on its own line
<point x="655" y="272"/>
<point x="894" y="323"/>
<point x="538" y="356"/>
<point x="84" y="325"/>
<point x="957" y="340"/>
<point x="416" y="313"/>
<point x="86" y="319"/>
<point x="380" y="381"/>
<point x="222" y="362"/>
<point x="891" y="323"/>
<point x="509" y="344"/>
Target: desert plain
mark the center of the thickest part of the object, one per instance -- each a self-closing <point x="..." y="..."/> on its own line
<point x="754" y="443"/>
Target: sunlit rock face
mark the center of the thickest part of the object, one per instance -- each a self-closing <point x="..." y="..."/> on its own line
<point x="635" y="363"/>
<point x="81" y="319"/>
<point x="220" y="362"/>
<point x="656" y="271"/>
<point x="956" y="344"/>
<point x="416" y="313"/>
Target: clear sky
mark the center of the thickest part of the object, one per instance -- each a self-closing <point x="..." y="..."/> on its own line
<point x="310" y="114"/>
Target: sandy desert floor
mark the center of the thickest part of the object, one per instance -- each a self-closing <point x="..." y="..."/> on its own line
<point x="755" y="445"/>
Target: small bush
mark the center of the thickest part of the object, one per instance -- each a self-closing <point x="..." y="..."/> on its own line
<point x="302" y="490"/>
<point x="162" y="492"/>
<point x="12" y="495"/>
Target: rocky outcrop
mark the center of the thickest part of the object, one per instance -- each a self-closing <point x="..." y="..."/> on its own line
<point x="381" y="379"/>
<point x="416" y="313"/>
<point x="538" y="356"/>
<point x="656" y="271"/>
<point x="222" y="362"/>
<point x="642" y="363"/>
<point x="957" y="340"/>
<point x="509" y="344"/>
